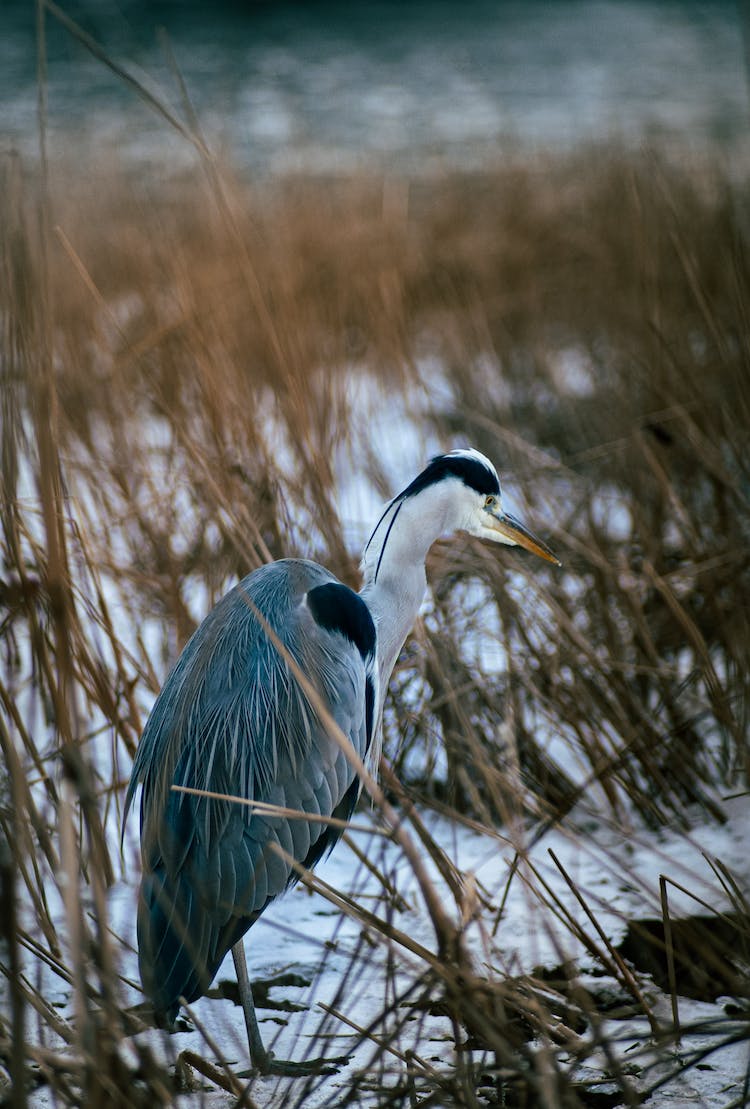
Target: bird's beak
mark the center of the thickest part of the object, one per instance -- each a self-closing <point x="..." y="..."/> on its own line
<point x="510" y="530"/>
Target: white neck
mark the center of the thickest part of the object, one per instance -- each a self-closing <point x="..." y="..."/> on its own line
<point x="394" y="565"/>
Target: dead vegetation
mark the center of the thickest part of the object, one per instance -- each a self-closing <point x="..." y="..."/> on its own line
<point x="177" y="359"/>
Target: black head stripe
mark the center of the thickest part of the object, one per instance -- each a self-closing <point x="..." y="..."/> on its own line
<point x="337" y="608"/>
<point x="466" y="467"/>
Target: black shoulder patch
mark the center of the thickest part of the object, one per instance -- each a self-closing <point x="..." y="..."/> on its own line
<point x="369" y="709"/>
<point x="471" y="471"/>
<point x="337" y="608"/>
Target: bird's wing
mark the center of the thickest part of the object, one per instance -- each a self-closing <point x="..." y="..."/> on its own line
<point x="233" y="719"/>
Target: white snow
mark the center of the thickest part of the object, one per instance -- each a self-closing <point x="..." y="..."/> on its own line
<point x="351" y="968"/>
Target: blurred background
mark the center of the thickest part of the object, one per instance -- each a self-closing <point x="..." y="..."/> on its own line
<point x="330" y="86"/>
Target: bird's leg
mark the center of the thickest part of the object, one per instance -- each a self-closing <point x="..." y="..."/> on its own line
<point x="259" y="1057"/>
<point x="263" y="1061"/>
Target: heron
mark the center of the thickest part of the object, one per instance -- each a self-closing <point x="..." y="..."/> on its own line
<point x="233" y="718"/>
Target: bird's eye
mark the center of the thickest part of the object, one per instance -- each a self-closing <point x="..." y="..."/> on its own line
<point x="490" y="501"/>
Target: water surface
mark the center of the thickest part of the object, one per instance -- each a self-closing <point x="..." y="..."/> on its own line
<point x="332" y="86"/>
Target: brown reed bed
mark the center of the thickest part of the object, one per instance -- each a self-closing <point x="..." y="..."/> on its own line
<point x="177" y="359"/>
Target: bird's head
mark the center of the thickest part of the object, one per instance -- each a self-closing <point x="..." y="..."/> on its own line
<point x="476" y="500"/>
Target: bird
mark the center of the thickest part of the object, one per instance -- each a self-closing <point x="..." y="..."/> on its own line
<point x="286" y="658"/>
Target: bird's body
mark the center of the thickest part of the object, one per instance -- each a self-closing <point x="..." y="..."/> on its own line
<point x="211" y="867"/>
<point x="234" y="718"/>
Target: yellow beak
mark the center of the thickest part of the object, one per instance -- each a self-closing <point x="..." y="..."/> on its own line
<point x="514" y="532"/>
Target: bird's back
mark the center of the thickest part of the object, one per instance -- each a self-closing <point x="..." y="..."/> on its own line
<point x="233" y="719"/>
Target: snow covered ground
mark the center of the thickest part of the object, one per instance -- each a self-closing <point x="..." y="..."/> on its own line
<point x="341" y="965"/>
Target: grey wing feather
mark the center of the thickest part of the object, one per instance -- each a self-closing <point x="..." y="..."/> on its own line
<point x="232" y="719"/>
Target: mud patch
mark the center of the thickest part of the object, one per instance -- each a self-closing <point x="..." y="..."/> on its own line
<point x="711" y="954"/>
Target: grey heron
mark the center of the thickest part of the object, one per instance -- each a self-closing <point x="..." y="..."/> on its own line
<point x="233" y="719"/>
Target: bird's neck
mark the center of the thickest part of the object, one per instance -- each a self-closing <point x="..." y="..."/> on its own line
<point x="394" y="602"/>
<point x="393" y="566"/>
